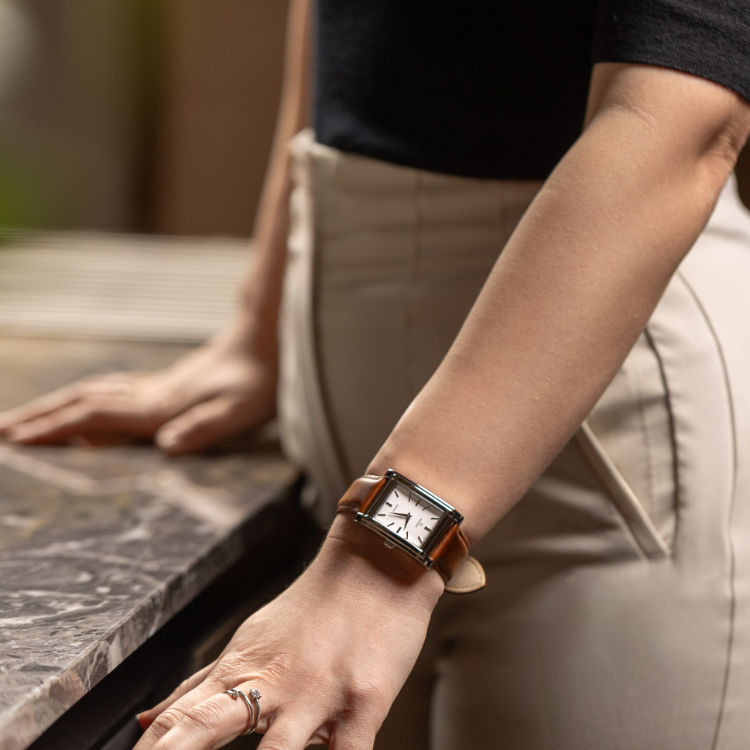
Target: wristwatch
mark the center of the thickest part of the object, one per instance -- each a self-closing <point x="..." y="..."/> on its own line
<point x="416" y="521"/>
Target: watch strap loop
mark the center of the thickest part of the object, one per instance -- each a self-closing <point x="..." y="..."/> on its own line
<point x="469" y="576"/>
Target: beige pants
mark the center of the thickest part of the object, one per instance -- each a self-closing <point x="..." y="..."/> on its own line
<point x="617" y="610"/>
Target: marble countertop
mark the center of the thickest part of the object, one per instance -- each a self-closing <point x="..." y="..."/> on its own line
<point x="99" y="548"/>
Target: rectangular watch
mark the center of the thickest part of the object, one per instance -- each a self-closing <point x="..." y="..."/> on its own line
<point x="410" y="518"/>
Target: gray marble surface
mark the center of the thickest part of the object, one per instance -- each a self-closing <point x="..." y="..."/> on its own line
<point x="98" y="548"/>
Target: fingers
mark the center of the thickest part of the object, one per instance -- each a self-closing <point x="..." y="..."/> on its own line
<point x="94" y="417"/>
<point x="172" y="715"/>
<point x="351" y="741"/>
<point x="146" y="717"/>
<point x="206" y="424"/>
<point x="116" y="387"/>
<point x="290" y="732"/>
<point x="41" y="406"/>
<point x="355" y="732"/>
<point x="207" y="718"/>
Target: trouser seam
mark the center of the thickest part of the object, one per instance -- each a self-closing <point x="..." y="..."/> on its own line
<point x="334" y="196"/>
<point x="637" y="394"/>
<point x="730" y="541"/>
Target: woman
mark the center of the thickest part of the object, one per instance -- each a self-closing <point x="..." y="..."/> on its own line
<point x="616" y="609"/>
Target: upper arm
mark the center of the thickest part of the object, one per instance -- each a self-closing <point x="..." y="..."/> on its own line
<point x="692" y="118"/>
<point x="680" y="67"/>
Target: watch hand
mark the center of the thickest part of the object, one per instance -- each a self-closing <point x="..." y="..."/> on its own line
<point x="403" y="515"/>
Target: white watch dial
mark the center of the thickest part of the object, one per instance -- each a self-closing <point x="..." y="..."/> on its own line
<point x="408" y="515"/>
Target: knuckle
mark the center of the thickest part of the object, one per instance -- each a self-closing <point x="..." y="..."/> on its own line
<point x="364" y="695"/>
<point x="240" y="666"/>
<point x="168" y="719"/>
<point x="365" y="706"/>
<point x="205" y="715"/>
<point x="228" y="668"/>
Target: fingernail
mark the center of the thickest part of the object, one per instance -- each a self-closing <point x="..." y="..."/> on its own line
<point x="141" y="722"/>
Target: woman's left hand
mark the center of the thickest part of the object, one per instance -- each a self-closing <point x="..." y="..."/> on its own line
<point x="328" y="656"/>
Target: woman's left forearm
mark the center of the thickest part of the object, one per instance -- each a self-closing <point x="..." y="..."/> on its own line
<point x="573" y="289"/>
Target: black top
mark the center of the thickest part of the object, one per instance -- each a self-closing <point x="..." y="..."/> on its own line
<point x="497" y="88"/>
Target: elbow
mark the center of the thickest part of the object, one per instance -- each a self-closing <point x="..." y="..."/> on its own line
<point x="724" y="137"/>
<point x="687" y="124"/>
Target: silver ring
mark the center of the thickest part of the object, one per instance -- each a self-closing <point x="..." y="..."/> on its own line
<point x="252" y="705"/>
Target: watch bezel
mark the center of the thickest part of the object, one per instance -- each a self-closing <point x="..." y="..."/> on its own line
<point x="449" y="517"/>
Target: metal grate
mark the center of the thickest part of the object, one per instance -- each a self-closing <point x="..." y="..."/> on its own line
<point x="119" y="286"/>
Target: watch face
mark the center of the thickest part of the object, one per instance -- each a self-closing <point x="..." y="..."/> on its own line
<point x="408" y="515"/>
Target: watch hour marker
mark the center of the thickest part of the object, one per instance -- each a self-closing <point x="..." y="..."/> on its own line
<point x="420" y="540"/>
<point x="407" y="534"/>
<point x="391" y="524"/>
<point x="428" y="530"/>
<point x="398" y="529"/>
<point x="388" y="504"/>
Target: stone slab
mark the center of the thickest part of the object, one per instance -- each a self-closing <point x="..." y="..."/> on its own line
<point x="100" y="547"/>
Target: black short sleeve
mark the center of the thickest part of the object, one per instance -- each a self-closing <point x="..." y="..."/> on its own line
<point x="708" y="38"/>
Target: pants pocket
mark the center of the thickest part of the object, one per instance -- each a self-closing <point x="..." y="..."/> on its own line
<point x="645" y="534"/>
<point x="628" y="442"/>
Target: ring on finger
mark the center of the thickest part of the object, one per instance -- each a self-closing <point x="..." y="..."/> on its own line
<point x="253" y="706"/>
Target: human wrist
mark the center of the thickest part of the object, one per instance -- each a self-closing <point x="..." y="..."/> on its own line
<point x="398" y="453"/>
<point x="353" y="552"/>
<point x="251" y="335"/>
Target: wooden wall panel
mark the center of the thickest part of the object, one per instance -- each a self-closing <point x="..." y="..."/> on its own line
<point x="221" y="89"/>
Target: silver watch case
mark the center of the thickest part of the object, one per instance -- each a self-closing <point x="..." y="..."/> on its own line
<point x="450" y="517"/>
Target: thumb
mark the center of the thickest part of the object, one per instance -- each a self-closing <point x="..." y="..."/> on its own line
<point x="205" y="425"/>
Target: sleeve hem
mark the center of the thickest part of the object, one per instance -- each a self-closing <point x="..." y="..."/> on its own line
<point x="704" y="38"/>
<point x="742" y="89"/>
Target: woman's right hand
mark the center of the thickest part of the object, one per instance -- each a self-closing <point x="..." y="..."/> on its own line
<point x="223" y="388"/>
<point x="328" y="655"/>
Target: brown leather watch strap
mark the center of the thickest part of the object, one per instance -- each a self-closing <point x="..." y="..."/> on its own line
<point x="361" y="493"/>
<point x="446" y="557"/>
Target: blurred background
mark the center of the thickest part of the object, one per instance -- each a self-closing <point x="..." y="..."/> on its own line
<point x="125" y="124"/>
<point x="146" y="116"/>
<point x="137" y="115"/>
<point x="134" y="137"/>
